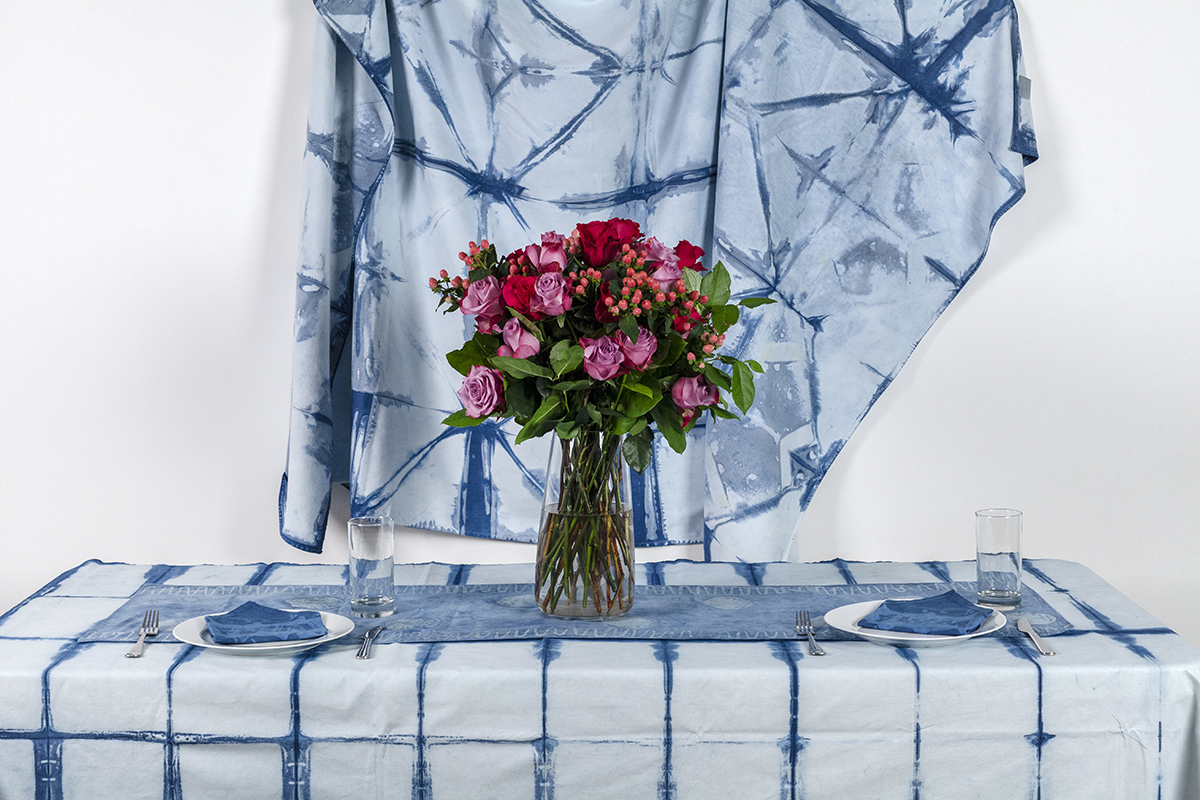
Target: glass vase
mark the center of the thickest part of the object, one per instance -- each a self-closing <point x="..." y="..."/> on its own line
<point x="585" y="540"/>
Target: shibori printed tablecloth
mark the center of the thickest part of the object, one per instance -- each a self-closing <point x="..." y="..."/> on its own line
<point x="1112" y="715"/>
<point x="846" y="158"/>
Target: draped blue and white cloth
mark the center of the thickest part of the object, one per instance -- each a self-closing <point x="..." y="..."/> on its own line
<point x="845" y="158"/>
<point x="1112" y="715"/>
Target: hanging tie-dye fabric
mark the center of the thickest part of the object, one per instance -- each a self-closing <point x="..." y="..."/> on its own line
<point x="847" y="159"/>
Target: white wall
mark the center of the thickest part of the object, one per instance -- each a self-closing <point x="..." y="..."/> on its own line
<point x="149" y="210"/>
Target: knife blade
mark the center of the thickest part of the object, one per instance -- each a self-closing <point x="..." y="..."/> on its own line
<point x="1024" y="627"/>
<point x="364" y="650"/>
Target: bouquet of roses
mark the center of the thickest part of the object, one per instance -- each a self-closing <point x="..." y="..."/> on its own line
<point x="602" y="328"/>
<point x="596" y="335"/>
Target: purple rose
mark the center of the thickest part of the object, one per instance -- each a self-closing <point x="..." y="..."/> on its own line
<point x="482" y="392"/>
<point x="694" y="392"/>
<point x="483" y="299"/>
<point x="637" y="356"/>
<point x="547" y="257"/>
<point x="665" y="261"/>
<point x="551" y="294"/>
<point x="601" y="357"/>
<point x="518" y="342"/>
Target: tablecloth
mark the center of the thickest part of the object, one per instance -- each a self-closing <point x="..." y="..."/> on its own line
<point x="1113" y="715"/>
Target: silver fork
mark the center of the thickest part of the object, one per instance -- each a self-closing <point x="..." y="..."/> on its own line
<point x="149" y="628"/>
<point x="804" y="626"/>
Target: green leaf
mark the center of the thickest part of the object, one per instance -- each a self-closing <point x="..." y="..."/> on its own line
<point x="594" y="414"/>
<point x="638" y="449"/>
<point x="718" y="378"/>
<point x="716" y="285"/>
<point x="570" y="386"/>
<point x="520" y="367"/>
<point x="691" y="279"/>
<point x="622" y="424"/>
<point x="565" y="357"/>
<point x="755" y="302"/>
<point x="675" y="348"/>
<point x="566" y="430"/>
<point x="754" y="365"/>
<point x="634" y="386"/>
<point x="522" y="398"/>
<point x="717" y="411"/>
<point x="628" y="325"/>
<point x="459" y="419"/>
<point x="542" y="420"/>
<point x="743" y="386"/>
<point x="467" y="356"/>
<point x="669" y="425"/>
<point x="724" y="317"/>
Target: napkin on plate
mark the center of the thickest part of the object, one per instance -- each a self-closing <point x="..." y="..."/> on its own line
<point x="946" y="614"/>
<point x="251" y="623"/>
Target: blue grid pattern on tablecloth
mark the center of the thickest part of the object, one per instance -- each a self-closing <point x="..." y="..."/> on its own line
<point x="433" y="716"/>
<point x="847" y="159"/>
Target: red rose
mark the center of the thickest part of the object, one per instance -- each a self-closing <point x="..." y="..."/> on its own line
<point x="518" y="289"/>
<point x="625" y="231"/>
<point x="601" y="241"/>
<point x="599" y="245"/>
<point x="603" y="312"/>
<point x="689" y="255"/>
<point x="684" y="324"/>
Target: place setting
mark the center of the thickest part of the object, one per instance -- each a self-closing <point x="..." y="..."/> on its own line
<point x="948" y="618"/>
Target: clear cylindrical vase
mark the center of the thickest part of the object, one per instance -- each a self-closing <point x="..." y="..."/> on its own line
<point x="585" y="541"/>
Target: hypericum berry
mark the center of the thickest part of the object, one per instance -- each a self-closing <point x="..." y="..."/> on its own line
<point x="621" y="304"/>
<point x="444" y="274"/>
<point x="646" y="304"/>
<point x="693" y="295"/>
<point x="660" y="297"/>
<point x="691" y="356"/>
<point x="433" y="283"/>
<point x="671" y="297"/>
<point x="708" y="348"/>
<point x="704" y="299"/>
<point x="456" y="282"/>
<point x="610" y="302"/>
<point x="483" y="243"/>
<point x="637" y="312"/>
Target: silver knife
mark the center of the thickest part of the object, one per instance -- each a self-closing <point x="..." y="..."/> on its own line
<point x="364" y="650"/>
<point x="1024" y="627"/>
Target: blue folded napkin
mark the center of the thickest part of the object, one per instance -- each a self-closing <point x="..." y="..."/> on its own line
<point x="251" y="623"/>
<point x="946" y="614"/>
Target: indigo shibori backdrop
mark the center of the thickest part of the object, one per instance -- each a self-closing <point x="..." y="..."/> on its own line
<point x="847" y="159"/>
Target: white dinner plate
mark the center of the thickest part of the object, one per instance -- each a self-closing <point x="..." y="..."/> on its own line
<point x="845" y="618"/>
<point x="194" y="631"/>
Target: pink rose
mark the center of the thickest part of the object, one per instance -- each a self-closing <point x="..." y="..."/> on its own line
<point x="551" y="294"/>
<point x="550" y="238"/>
<point x="694" y="392"/>
<point x="666" y="262"/>
<point x="518" y="342"/>
<point x="637" y="356"/>
<point x="483" y="299"/>
<point x="482" y="391"/>
<point x="547" y="258"/>
<point x="601" y="357"/>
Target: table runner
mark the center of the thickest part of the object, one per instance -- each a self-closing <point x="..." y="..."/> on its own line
<point x="497" y="612"/>
<point x="847" y="159"/>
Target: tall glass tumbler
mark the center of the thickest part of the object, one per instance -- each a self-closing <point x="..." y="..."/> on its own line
<point x="372" y="591"/>
<point x="998" y="557"/>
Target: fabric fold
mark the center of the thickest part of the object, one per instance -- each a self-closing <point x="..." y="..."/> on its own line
<point x="847" y="159"/>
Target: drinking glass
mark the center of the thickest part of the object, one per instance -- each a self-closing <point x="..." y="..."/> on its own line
<point x="372" y="591"/>
<point x="998" y="557"/>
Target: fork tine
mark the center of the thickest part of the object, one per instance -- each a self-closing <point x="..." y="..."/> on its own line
<point x="154" y="622"/>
